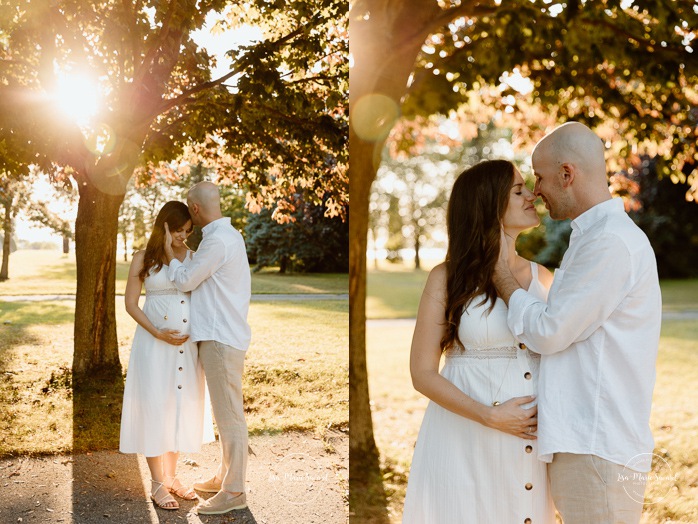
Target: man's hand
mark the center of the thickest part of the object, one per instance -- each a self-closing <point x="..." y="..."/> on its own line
<point x="503" y="278"/>
<point x="168" y="244"/>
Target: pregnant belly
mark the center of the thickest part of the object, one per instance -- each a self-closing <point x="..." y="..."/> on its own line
<point x="170" y="316"/>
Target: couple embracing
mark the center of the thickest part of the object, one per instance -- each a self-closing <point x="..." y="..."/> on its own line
<point x="192" y="332"/>
<point x="544" y="397"/>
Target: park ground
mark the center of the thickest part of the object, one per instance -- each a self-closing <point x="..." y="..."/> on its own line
<point x="296" y="401"/>
<point x="393" y="296"/>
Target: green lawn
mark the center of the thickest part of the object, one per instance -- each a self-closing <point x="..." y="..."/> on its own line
<point x="295" y="377"/>
<point x="398" y="409"/>
<point x="393" y="291"/>
<point x="53" y="273"/>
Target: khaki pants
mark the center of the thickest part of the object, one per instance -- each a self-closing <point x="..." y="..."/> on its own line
<point x="587" y="489"/>
<point x="223" y="366"/>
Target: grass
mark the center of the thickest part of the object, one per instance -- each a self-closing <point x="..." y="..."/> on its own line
<point x="398" y="410"/>
<point x="393" y="291"/>
<point x="295" y="378"/>
<point x="53" y="273"/>
<point x="680" y="294"/>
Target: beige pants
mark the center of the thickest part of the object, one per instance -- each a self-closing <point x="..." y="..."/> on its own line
<point x="223" y="366"/>
<point x="587" y="489"/>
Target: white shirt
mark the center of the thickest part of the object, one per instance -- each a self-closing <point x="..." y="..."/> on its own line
<point x="598" y="335"/>
<point x="218" y="275"/>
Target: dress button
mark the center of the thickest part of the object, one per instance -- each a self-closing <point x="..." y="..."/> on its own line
<point x="528" y="486"/>
<point x="527" y="375"/>
<point x="181" y="351"/>
<point x="529" y="449"/>
<point x="180" y="387"/>
<point x="182" y="302"/>
<point x="522" y="345"/>
<point x="181" y="369"/>
<point x="184" y="320"/>
<point x="528" y="521"/>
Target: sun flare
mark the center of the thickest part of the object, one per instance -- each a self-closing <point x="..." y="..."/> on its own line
<point x="77" y="97"/>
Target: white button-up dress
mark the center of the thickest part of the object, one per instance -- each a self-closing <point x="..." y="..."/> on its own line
<point x="165" y="405"/>
<point x="463" y="472"/>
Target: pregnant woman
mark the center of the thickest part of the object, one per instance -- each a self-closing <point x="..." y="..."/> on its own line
<point x="476" y="459"/>
<point x="164" y="400"/>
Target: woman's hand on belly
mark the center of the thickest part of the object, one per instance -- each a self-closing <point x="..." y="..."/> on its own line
<point x="511" y="417"/>
<point x="172" y="336"/>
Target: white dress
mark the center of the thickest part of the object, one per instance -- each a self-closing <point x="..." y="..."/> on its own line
<point x="165" y="405"/>
<point x="463" y="472"/>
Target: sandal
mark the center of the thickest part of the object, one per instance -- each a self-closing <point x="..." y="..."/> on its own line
<point x="166" y="498"/>
<point x="182" y="492"/>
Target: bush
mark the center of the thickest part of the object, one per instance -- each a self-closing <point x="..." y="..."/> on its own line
<point x="312" y="243"/>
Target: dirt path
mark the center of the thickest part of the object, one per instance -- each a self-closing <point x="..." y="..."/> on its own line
<point x="292" y="478"/>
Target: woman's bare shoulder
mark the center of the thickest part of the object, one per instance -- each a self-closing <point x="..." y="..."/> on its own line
<point x="137" y="261"/>
<point x="436" y="282"/>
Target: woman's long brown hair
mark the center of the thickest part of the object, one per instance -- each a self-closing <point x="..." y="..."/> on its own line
<point x="478" y="202"/>
<point x="175" y="214"/>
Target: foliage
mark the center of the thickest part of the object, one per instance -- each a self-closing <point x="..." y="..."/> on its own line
<point x="658" y="206"/>
<point x="547" y="244"/>
<point x="287" y="106"/>
<point x="312" y="242"/>
<point x="594" y="62"/>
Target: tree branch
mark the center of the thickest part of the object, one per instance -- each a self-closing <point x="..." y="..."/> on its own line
<point x="447" y="16"/>
<point x="630" y="36"/>
<point x="141" y="71"/>
<point x="186" y="96"/>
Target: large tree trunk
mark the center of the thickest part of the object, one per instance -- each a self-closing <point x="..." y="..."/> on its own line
<point x="385" y="40"/>
<point x="6" y="241"/>
<point x="102" y="188"/>
<point x="96" y="348"/>
<point x="363" y="454"/>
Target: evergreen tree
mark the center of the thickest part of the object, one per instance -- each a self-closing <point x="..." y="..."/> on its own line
<point x="311" y="243"/>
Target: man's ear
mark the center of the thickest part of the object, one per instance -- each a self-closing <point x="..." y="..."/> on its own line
<point x="569" y="171"/>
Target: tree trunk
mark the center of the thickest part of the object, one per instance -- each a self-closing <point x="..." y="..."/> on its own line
<point x="96" y="351"/>
<point x="6" y="241"/>
<point x="66" y="244"/>
<point x="385" y="40"/>
<point x="363" y="454"/>
<point x="417" y="262"/>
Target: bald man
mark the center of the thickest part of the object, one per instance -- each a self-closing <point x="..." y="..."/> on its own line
<point x="218" y="276"/>
<point x="598" y="335"/>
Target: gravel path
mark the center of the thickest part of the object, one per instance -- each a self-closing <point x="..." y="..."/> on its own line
<point x="292" y="478"/>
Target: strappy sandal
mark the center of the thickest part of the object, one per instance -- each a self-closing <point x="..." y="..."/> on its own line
<point x="182" y="491"/>
<point x="166" y="498"/>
